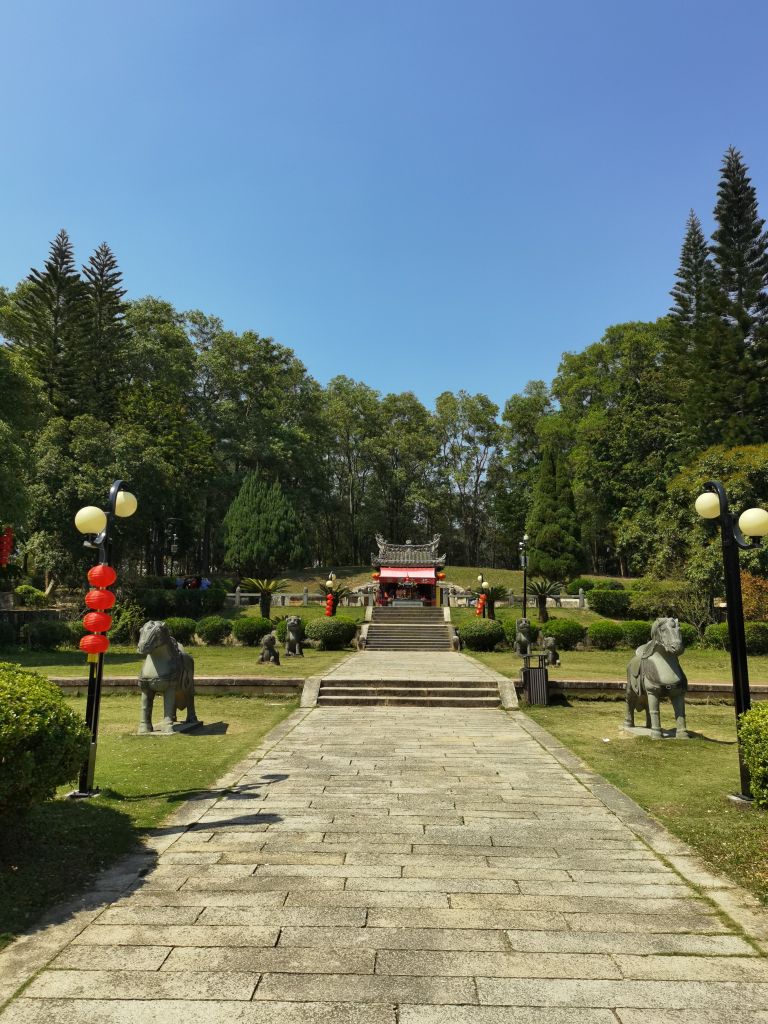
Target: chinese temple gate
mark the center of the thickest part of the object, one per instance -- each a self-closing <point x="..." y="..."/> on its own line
<point x="408" y="573"/>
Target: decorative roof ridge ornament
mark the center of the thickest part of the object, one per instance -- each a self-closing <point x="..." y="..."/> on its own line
<point x="408" y="554"/>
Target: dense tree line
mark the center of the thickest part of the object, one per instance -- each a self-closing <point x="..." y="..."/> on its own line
<point x="215" y="429"/>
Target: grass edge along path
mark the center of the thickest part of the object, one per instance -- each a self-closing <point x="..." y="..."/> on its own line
<point x="683" y="785"/>
<point x="56" y="851"/>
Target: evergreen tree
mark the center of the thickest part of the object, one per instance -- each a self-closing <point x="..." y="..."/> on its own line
<point x="49" y="324"/>
<point x="263" y="532"/>
<point x="102" y="352"/>
<point x="738" y="389"/>
<point x="693" y="292"/>
<point x="555" y="550"/>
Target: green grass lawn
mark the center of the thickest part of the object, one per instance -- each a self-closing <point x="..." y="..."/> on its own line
<point x="56" y="850"/>
<point x="682" y="784"/>
<point x="504" y="614"/>
<point x="227" y="660"/>
<point x="701" y="666"/>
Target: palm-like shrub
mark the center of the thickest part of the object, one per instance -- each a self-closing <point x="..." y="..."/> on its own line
<point x="541" y="589"/>
<point x="492" y="595"/>
<point x="339" y="590"/>
<point x="265" y="588"/>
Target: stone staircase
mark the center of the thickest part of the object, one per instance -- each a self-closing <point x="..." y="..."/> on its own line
<point x="409" y="661"/>
<point x="409" y="629"/>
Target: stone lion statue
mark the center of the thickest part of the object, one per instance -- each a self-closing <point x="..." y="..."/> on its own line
<point x="294" y="634"/>
<point x="550" y="650"/>
<point x="523" y="638"/>
<point x="167" y="670"/>
<point x="654" y="674"/>
<point x="269" y="652"/>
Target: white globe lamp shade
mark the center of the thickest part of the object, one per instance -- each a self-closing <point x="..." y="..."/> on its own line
<point x="90" y="519"/>
<point x="754" y="522"/>
<point x="125" y="504"/>
<point x="708" y="505"/>
<point x="486" y="585"/>
<point x="329" y="583"/>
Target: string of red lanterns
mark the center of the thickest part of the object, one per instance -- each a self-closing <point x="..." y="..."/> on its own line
<point x="100" y="600"/>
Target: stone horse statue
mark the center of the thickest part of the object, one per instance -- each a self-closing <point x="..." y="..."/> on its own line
<point x="294" y="634"/>
<point x="523" y="639"/>
<point x="655" y="673"/>
<point x="167" y="669"/>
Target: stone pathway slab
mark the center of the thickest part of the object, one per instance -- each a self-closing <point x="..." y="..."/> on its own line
<point x="407" y="866"/>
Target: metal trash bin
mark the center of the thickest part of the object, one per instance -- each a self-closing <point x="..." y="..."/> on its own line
<point x="535" y="680"/>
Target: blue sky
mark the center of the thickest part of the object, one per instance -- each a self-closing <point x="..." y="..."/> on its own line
<point x="425" y="195"/>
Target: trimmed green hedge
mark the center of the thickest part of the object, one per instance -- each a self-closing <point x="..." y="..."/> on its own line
<point x="604" y="636"/>
<point x="753" y="733"/>
<point x="332" y="633"/>
<point x="482" y="634"/>
<point x="567" y="632"/>
<point x="755" y="633"/>
<point x="214" y="629"/>
<point x="43" y="743"/>
<point x="689" y="634"/>
<point x="250" y="629"/>
<point x="635" y="632"/>
<point x="46" y="634"/>
<point x="159" y="603"/>
<point x="181" y="629"/>
<point x="581" y="583"/>
<point x="30" y="597"/>
<point x="612" y="603"/>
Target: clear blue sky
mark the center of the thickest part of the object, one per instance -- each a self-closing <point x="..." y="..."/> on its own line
<point x="423" y="194"/>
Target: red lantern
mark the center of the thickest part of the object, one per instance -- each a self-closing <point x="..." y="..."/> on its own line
<point x="100" y="600"/>
<point x="97" y="622"/>
<point x="102" y="576"/>
<point x="94" y="644"/>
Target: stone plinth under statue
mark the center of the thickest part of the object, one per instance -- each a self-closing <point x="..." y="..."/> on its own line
<point x="653" y="675"/>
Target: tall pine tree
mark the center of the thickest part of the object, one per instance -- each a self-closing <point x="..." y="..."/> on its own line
<point x="50" y="321"/>
<point x="740" y="252"/>
<point x="101" y="356"/>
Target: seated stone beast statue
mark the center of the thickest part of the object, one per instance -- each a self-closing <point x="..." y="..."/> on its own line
<point x="168" y="670"/>
<point x="655" y="673"/>
<point x="269" y="652"/>
<point x="523" y="639"/>
<point x="294" y="634"/>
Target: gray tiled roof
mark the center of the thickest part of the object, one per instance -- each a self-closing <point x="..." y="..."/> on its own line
<point x="413" y="555"/>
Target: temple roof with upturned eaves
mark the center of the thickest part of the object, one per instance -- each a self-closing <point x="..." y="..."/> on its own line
<point x="408" y="554"/>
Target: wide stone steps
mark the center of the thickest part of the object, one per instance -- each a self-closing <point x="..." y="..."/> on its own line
<point x="385" y="697"/>
<point x="409" y="629"/>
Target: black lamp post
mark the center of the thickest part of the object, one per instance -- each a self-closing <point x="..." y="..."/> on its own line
<point x="523" y="547"/>
<point x="745" y="534"/>
<point x="96" y="524"/>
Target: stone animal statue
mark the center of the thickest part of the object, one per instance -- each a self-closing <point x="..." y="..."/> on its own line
<point x="655" y="673"/>
<point x="523" y="639"/>
<point x="550" y="650"/>
<point x="269" y="652"/>
<point x="168" y="670"/>
<point x="294" y="634"/>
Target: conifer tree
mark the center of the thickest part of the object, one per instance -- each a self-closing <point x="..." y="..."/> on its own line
<point x="101" y="355"/>
<point x="738" y="386"/>
<point x="263" y="532"/>
<point x="555" y="549"/>
<point x="49" y="317"/>
<point x="693" y="291"/>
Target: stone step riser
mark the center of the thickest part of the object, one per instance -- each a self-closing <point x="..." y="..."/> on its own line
<point x="432" y="693"/>
<point x="408" y="684"/>
<point x="421" y="702"/>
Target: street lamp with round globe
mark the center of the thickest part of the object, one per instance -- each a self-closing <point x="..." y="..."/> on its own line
<point x="91" y="519"/>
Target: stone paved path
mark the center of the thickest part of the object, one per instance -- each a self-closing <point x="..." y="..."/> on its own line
<point x="407" y="866"/>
